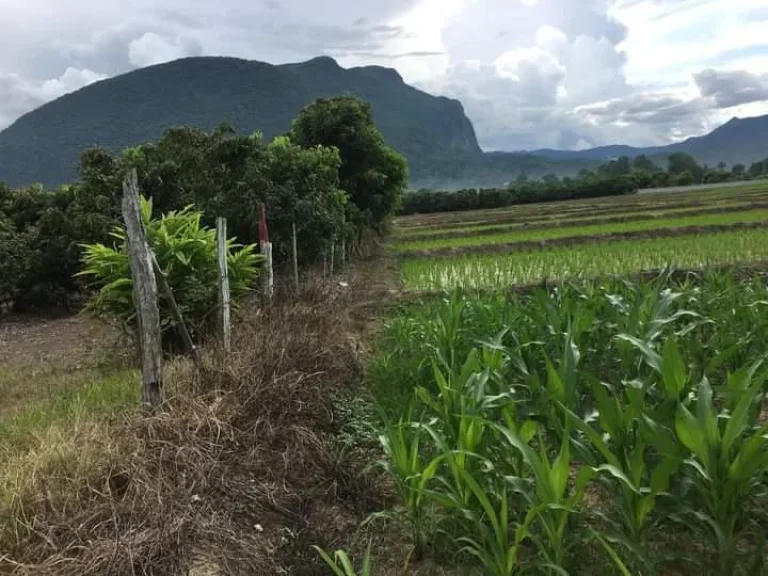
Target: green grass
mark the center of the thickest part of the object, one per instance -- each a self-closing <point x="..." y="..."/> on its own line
<point x="584" y="260"/>
<point x="95" y="397"/>
<point x="581" y="231"/>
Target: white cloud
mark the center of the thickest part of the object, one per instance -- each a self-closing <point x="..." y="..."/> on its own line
<point x="530" y="73"/>
<point x="20" y="96"/>
<point x="152" y="48"/>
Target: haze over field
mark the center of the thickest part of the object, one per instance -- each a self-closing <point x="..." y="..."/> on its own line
<point x="530" y="73"/>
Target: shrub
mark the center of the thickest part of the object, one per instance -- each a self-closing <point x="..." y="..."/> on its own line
<point x="186" y="252"/>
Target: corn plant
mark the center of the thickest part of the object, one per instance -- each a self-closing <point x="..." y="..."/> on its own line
<point x="480" y="502"/>
<point x="616" y="443"/>
<point x="341" y="565"/>
<point x="549" y="503"/>
<point x="412" y="471"/>
<point x="729" y="457"/>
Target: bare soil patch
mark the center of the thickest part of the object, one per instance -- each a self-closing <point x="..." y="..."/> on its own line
<point x="35" y="337"/>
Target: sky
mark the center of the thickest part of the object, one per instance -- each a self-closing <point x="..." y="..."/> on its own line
<point x="531" y="74"/>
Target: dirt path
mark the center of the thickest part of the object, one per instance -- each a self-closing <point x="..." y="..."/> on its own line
<point x="28" y="338"/>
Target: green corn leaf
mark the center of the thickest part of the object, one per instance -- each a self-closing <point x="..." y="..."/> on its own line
<point x="739" y="418"/>
<point x="751" y="457"/>
<point x="609" y="412"/>
<point x="706" y="414"/>
<point x="331" y="562"/>
<point x="691" y="434"/>
<point x="612" y="553"/>
<point x="662" y="474"/>
<point x="673" y="369"/>
<point x="554" y="382"/>
<point x="560" y="466"/>
<point x="650" y="356"/>
<point x="346" y="563"/>
<point x="594" y="438"/>
<point x="616" y="472"/>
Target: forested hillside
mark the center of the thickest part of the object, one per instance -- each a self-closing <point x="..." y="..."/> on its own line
<point x="432" y="132"/>
<point x="45" y="144"/>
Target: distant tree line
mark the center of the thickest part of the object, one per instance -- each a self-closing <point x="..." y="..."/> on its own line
<point x="621" y="176"/>
<point x="332" y="176"/>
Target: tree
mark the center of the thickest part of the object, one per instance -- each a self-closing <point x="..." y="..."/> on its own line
<point x="738" y="170"/>
<point x="680" y="163"/>
<point x="721" y="166"/>
<point x="623" y="165"/>
<point x="758" y="168"/>
<point x="644" y="163"/>
<point x="374" y="175"/>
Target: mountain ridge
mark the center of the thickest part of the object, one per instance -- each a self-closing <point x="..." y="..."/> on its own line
<point x="739" y="140"/>
<point x="44" y="145"/>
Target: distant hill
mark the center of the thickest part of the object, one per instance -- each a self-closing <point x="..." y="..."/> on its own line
<point x="44" y="145"/>
<point x="741" y="140"/>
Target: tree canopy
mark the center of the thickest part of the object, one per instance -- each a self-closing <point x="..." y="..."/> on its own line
<point x="372" y="173"/>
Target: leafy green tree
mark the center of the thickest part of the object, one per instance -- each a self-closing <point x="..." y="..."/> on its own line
<point x="758" y="169"/>
<point x="681" y="163"/>
<point x="642" y="162"/>
<point x="683" y="179"/>
<point x="373" y="174"/>
<point x="738" y="170"/>
<point x="624" y="165"/>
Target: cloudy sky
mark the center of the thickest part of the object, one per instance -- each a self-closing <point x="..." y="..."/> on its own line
<point x="530" y="73"/>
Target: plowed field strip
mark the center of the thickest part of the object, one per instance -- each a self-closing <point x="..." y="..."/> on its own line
<point x="488" y="229"/>
<point x="571" y="232"/>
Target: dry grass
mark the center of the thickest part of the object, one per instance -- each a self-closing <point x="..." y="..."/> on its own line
<point x="239" y="474"/>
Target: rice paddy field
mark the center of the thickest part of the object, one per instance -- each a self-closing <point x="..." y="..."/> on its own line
<point x="557" y="241"/>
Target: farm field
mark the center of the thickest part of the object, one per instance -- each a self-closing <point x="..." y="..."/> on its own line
<point x="607" y="417"/>
<point x="578" y="239"/>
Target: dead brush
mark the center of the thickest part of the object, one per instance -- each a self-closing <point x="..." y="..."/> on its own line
<point x="240" y="473"/>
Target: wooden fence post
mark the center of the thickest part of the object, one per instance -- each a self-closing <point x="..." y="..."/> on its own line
<point x="145" y="294"/>
<point x="295" y="257"/>
<point x="224" y="315"/>
<point x="268" y="279"/>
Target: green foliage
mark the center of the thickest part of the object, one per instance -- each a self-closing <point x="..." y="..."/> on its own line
<point x="341" y="565"/>
<point x="228" y="175"/>
<point x="186" y="253"/>
<point x="44" y="146"/>
<point x="587" y="185"/>
<point x="373" y="174"/>
<point x="40" y="233"/>
<point x="521" y="406"/>
<point x="729" y="457"/>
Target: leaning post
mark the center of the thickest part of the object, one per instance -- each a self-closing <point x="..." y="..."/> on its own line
<point x="145" y="295"/>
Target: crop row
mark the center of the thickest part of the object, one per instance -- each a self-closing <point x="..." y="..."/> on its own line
<point x="538" y="234"/>
<point x="585" y="260"/>
<point x="572" y="207"/>
<point x="501" y="226"/>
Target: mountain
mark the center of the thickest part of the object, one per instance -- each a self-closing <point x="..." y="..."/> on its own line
<point x="45" y="144"/>
<point x="740" y="140"/>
